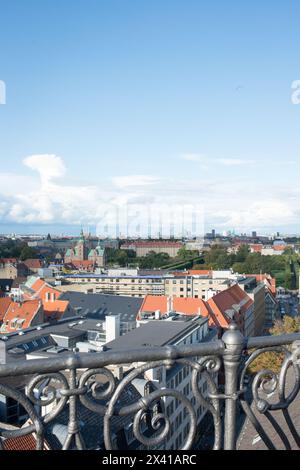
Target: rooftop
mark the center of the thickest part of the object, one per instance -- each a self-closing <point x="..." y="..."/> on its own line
<point x="155" y="333"/>
<point x="97" y="306"/>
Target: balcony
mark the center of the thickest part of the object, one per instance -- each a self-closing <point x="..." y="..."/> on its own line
<point x="126" y="412"/>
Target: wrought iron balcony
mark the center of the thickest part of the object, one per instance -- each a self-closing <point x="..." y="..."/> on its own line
<point x="74" y="381"/>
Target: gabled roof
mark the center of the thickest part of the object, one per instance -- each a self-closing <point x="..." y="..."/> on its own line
<point x="256" y="247"/>
<point x="98" y="251"/>
<point x="55" y="309"/>
<point x="33" y="263"/>
<point x="22" y="312"/>
<point x="185" y="305"/>
<point x="8" y="260"/>
<point x="225" y="300"/>
<point x="77" y="264"/>
<point x="268" y="280"/>
<point x="42" y="289"/>
<point x="27" y="442"/>
<point x="4" y="304"/>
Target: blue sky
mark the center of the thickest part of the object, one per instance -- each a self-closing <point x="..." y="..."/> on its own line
<point x="174" y="100"/>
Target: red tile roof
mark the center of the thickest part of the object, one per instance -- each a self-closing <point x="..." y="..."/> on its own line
<point x="193" y="272"/>
<point x="185" y="305"/>
<point x="269" y="281"/>
<point x="4" y="304"/>
<point x="21" y="311"/>
<point x="279" y="247"/>
<point x="225" y="300"/>
<point x="20" y="443"/>
<point x="84" y="264"/>
<point x="55" y="310"/>
<point x="256" y="247"/>
<point x="190" y="306"/>
<point x="8" y="260"/>
<point x="155" y="302"/>
<point x="33" y="263"/>
<point x="44" y="291"/>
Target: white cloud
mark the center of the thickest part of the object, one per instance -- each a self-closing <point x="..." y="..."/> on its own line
<point x="200" y="158"/>
<point x="233" y="161"/>
<point x="48" y="166"/>
<point x="134" y="180"/>
<point x="45" y="197"/>
<point x="193" y="157"/>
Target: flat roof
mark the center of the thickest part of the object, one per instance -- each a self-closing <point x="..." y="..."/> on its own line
<point x="155" y="333"/>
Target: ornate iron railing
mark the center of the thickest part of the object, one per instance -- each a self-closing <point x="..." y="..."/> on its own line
<point x="67" y="384"/>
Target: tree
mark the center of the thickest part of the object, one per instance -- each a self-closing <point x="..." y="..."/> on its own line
<point x="242" y="253"/>
<point x="27" y="253"/>
<point x="288" y="280"/>
<point x="271" y="360"/>
<point x="184" y="254"/>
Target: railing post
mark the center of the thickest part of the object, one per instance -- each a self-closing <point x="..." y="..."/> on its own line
<point x="234" y="342"/>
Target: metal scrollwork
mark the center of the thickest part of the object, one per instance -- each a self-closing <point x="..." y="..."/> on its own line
<point x="46" y="394"/>
<point x="95" y="389"/>
<point x="269" y="394"/>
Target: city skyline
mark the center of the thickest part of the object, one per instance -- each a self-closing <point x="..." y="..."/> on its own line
<point x="179" y="103"/>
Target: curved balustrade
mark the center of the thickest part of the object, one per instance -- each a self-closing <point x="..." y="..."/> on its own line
<point x="63" y="384"/>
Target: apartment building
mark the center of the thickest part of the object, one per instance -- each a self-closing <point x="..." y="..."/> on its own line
<point x="133" y="286"/>
<point x="21" y="315"/>
<point x="198" y="286"/>
<point x="234" y="304"/>
<point x="179" y="331"/>
<point x="142" y="248"/>
<point x="136" y="285"/>
<point x="12" y="269"/>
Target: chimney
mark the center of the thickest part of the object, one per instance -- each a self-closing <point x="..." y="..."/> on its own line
<point x="112" y="327"/>
<point x="157" y="314"/>
<point x="170" y="303"/>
